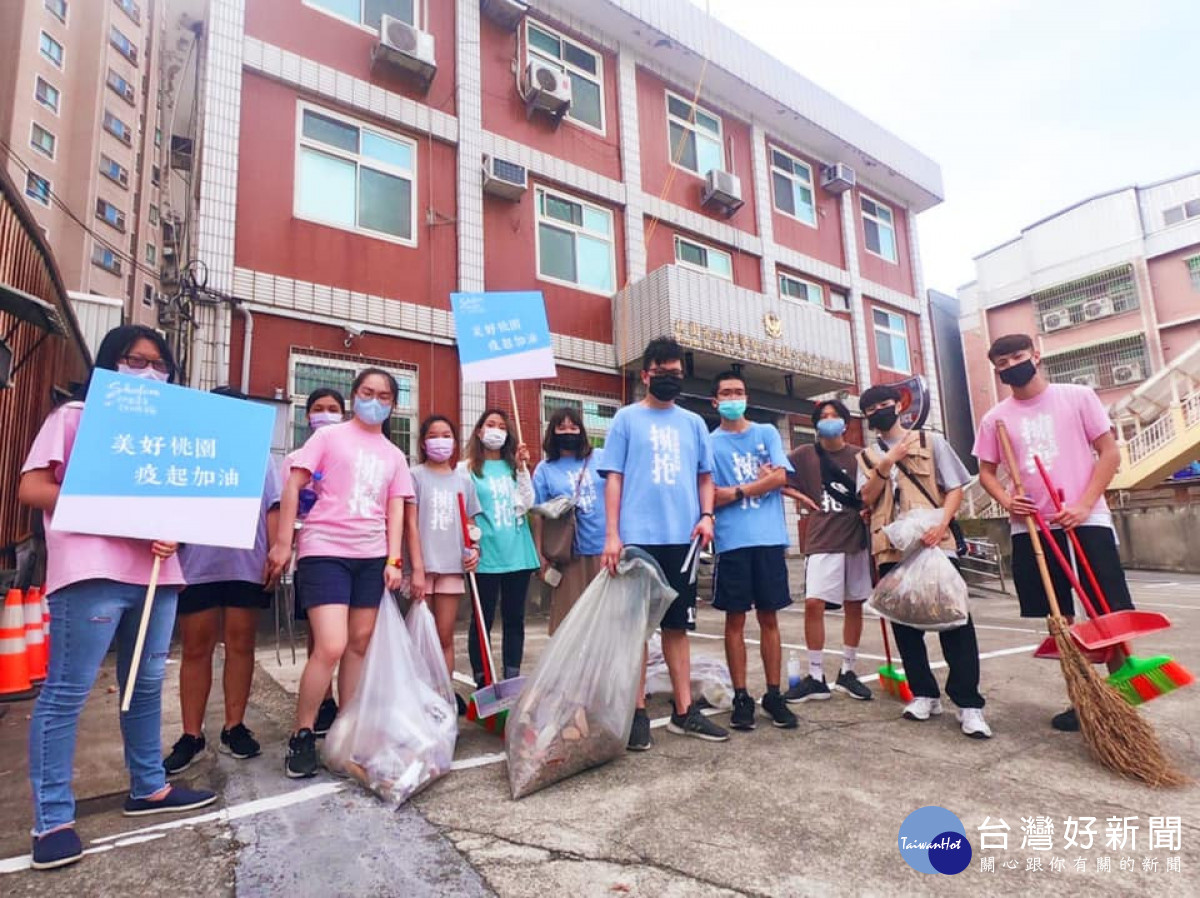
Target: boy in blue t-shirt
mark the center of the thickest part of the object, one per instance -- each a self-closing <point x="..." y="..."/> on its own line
<point x="749" y="470"/>
<point x="659" y="497"/>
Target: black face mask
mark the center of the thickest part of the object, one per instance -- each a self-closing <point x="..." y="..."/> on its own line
<point x="665" y="387"/>
<point x="1020" y="374"/>
<point x="568" y="442"/>
<point x="884" y="419"/>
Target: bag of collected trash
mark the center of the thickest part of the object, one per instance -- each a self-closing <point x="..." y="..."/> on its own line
<point x="397" y="734"/>
<point x="427" y="650"/>
<point x="924" y="590"/>
<point x="710" y="676"/>
<point x="577" y="706"/>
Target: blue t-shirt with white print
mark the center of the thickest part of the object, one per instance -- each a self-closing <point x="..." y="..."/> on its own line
<point x="659" y="453"/>
<point x="559" y="478"/>
<point x="737" y="457"/>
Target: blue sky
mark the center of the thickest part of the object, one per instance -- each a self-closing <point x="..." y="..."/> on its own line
<point x="1027" y="106"/>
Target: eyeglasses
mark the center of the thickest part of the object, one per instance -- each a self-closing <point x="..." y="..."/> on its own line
<point x="138" y="363"/>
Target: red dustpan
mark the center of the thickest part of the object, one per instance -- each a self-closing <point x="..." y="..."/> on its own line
<point x="1048" y="650"/>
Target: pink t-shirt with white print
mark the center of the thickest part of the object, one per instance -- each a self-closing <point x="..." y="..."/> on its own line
<point x="361" y="472"/>
<point x="1058" y="426"/>
<point x="76" y="557"/>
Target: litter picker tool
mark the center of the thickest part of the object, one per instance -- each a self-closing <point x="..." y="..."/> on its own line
<point x="1115" y="733"/>
<point x="136" y="661"/>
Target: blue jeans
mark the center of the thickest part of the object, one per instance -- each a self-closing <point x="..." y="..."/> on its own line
<point x="84" y="618"/>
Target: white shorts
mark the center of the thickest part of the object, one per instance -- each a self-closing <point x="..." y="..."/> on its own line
<point x="838" y="577"/>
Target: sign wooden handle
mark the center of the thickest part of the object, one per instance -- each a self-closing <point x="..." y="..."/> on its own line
<point x="136" y="661"/>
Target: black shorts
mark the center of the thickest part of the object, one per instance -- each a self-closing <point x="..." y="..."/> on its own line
<point x="1099" y="545"/>
<point x="752" y="577"/>
<point x="226" y="594"/>
<point x="356" y="582"/>
<point x="682" y="613"/>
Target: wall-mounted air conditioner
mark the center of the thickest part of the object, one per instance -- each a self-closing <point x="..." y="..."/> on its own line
<point x="505" y="13"/>
<point x="722" y="190"/>
<point x="837" y="178"/>
<point x="546" y="88"/>
<point x="1129" y="373"/>
<point x="1056" y="320"/>
<point x="406" y="48"/>
<point x="1086" y="380"/>
<point x="503" y="178"/>
<point x="1097" y="308"/>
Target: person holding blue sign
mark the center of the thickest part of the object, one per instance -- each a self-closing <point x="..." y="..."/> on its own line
<point x="96" y="588"/>
<point x="349" y="549"/>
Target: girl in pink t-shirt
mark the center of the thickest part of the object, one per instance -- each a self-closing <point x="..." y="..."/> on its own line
<point x="349" y="550"/>
<point x="96" y="588"/>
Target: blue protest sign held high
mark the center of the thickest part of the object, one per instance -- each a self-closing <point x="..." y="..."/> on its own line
<point x="158" y="461"/>
<point x="502" y="336"/>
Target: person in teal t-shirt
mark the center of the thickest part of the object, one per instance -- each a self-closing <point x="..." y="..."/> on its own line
<point x="499" y="467"/>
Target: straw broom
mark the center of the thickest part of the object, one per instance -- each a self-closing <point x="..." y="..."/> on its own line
<point x="1115" y="733"/>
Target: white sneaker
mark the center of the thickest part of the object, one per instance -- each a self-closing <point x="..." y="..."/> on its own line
<point x="921" y="707"/>
<point x="973" y="724"/>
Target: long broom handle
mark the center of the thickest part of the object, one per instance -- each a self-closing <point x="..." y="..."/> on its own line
<point x="485" y="644"/>
<point x="1074" y="538"/>
<point x="887" y="646"/>
<point x="136" y="661"/>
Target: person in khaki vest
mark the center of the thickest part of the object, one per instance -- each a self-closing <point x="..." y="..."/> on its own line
<point x="902" y="469"/>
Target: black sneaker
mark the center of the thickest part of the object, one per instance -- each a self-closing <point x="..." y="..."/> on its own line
<point x="777" y="709"/>
<point x="809" y="690"/>
<point x="742" y="717"/>
<point x="639" y="732"/>
<point x="239" y="742"/>
<point x="326" y="715"/>
<point x="183" y="754"/>
<point x="301" y="761"/>
<point x="56" y="849"/>
<point x="693" y="723"/>
<point x="1067" y="721"/>
<point x="849" y="683"/>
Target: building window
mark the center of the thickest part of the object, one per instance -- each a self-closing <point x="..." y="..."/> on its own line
<point x="595" y="411"/>
<point x="47" y="94"/>
<point x="839" y="301"/>
<point x="792" y="181"/>
<point x="338" y="372"/>
<point x="1193" y="266"/>
<point x="1086" y="299"/>
<point x="354" y="177"/>
<point x="879" y="228"/>
<point x="158" y="137"/>
<point x="794" y="288"/>
<point x="154" y="216"/>
<point x="114" y="171"/>
<point x="120" y="87"/>
<point x="110" y="214"/>
<point x="52" y="49"/>
<point x="103" y="257"/>
<point x="155" y="175"/>
<point x="581" y="65"/>
<point x="891" y="341"/>
<point x="369" y="12"/>
<point x="147" y="294"/>
<point x="691" y="254"/>
<point x="151" y="254"/>
<point x="124" y="45"/>
<point x="575" y="242"/>
<point x="1182" y="212"/>
<point x="58" y="9"/>
<point x="130" y="9"/>
<point x="42" y="140"/>
<point x="37" y="188"/>
<point x="117" y="128"/>
<point x="695" y="136"/>
<point x="1112" y="364"/>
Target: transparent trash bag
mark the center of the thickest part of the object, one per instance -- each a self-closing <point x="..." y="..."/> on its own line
<point x="924" y="590"/>
<point x="710" y="676"/>
<point x="427" y="650"/>
<point x="577" y="706"/>
<point x="397" y="734"/>
<point x="906" y="531"/>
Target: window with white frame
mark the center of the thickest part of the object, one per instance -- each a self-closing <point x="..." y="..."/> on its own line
<point x="51" y="49"/>
<point x="879" y="228"/>
<point x="792" y="287"/>
<point x="839" y="301"/>
<point x="691" y="254"/>
<point x="584" y="67"/>
<point x="47" y="94"/>
<point x="109" y="213"/>
<point x="154" y="215"/>
<point x="58" y="9"/>
<point x="37" y="188"/>
<point x="103" y="257"/>
<point x="1182" y="212"/>
<point x="891" y="341"/>
<point x="310" y="371"/>
<point x="1193" y="267"/>
<point x="121" y="87"/>
<point x="42" y="140"/>
<point x="695" y="136"/>
<point x="151" y="254"/>
<point x="352" y="176"/>
<point x="124" y="45"/>
<point x="596" y="412"/>
<point x="792" y="183"/>
<point x="369" y="12"/>
<point x="117" y="128"/>
<point x="575" y="242"/>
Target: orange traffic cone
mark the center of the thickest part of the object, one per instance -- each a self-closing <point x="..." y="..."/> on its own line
<point x="46" y="627"/>
<point x="14" y="668"/>
<point x="35" y="637"/>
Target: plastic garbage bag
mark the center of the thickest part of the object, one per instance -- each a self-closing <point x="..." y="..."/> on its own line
<point x="555" y="508"/>
<point x="924" y="590"/>
<point x="710" y="676"/>
<point x="427" y="650"/>
<point x="397" y="734"/>
<point x="577" y="706"/>
<point x="906" y="531"/>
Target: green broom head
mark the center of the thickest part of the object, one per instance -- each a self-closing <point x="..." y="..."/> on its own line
<point x="1143" y="679"/>
<point x="894" y="683"/>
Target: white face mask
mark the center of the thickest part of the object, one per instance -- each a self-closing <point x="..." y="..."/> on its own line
<point x="493" y="438"/>
<point x="148" y="372"/>
<point x="317" y="420"/>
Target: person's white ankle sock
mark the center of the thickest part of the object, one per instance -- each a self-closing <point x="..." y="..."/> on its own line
<point x="816" y="664"/>
<point x="849" y="656"/>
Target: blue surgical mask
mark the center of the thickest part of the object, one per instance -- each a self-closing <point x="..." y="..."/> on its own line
<point x="371" y="411"/>
<point x="831" y="428"/>
<point x="731" y="409"/>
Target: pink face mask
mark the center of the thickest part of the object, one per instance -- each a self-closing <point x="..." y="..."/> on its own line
<point x="439" y="448"/>
<point x="317" y="420"/>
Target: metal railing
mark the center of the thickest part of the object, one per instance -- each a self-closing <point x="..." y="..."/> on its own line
<point x="983" y="567"/>
<point x="1153" y="437"/>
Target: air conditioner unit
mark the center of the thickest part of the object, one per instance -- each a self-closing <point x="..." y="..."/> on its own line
<point x="504" y="179"/>
<point x="407" y="48"/>
<point x="1127" y="373"/>
<point x="547" y="88"/>
<point x="1056" y="320"/>
<point x="1086" y="380"/>
<point x="837" y="178"/>
<point x="506" y="13"/>
<point x="1097" y="308"/>
<point x="722" y="190"/>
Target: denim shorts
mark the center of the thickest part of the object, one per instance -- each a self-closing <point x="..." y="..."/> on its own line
<point x="356" y="582"/>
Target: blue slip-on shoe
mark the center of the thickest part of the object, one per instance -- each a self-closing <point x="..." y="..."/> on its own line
<point x="180" y="798"/>
<point x="56" y="849"/>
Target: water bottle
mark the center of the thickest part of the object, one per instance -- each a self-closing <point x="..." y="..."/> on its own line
<point x="309" y="496"/>
<point x="793" y="669"/>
